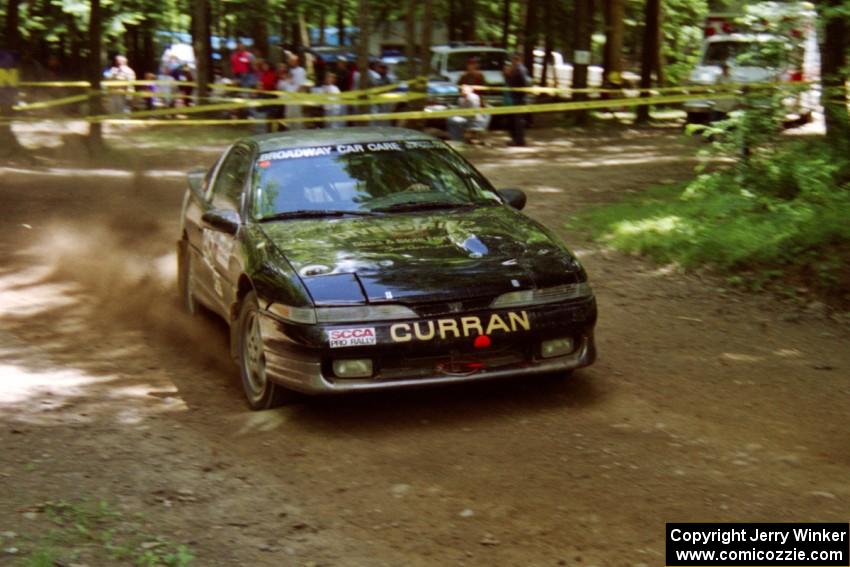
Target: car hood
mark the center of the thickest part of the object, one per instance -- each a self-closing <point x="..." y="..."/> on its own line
<point x="414" y="258"/>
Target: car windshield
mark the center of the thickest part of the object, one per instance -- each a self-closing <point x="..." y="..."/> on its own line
<point x="487" y="60"/>
<point x="743" y="53"/>
<point x="366" y="178"/>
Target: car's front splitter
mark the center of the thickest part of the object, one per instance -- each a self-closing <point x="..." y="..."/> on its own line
<point x="405" y="354"/>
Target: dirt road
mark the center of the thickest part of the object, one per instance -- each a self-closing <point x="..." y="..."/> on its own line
<point x="705" y="404"/>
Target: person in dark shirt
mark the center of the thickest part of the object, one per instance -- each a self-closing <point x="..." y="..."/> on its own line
<point x="343" y="76"/>
<point x="517" y="78"/>
<point x="473" y="75"/>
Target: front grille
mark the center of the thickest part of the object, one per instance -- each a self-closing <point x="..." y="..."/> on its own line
<point x="452" y="307"/>
<point x="426" y="366"/>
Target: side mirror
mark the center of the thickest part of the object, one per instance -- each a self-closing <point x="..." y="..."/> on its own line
<point x="196" y="181"/>
<point x="514" y="197"/>
<point x="221" y="220"/>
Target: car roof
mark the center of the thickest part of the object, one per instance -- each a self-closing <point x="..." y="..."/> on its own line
<point x="317" y="137"/>
<point x="477" y="48"/>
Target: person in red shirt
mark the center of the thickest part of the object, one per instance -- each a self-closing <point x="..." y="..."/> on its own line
<point x="241" y="61"/>
<point x="268" y="77"/>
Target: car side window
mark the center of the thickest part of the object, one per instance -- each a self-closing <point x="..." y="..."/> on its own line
<point x="231" y="178"/>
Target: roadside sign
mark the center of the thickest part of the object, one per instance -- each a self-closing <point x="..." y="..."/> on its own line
<point x="9" y="77"/>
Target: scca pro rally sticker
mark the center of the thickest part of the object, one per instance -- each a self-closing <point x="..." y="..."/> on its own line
<point x="360" y="336"/>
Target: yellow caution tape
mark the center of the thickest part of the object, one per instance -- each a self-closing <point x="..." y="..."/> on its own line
<point x="388" y="98"/>
<point x="107" y="83"/>
<point x="434" y="114"/>
<point x="139" y="117"/>
<point x="52" y="103"/>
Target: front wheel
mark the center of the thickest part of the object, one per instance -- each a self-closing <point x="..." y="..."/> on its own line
<point x="260" y="392"/>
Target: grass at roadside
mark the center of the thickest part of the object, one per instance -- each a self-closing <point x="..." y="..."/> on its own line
<point x="95" y="533"/>
<point x="786" y="229"/>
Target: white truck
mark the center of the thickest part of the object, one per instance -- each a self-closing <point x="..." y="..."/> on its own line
<point x="448" y="62"/>
<point x="737" y="50"/>
<point x="559" y="73"/>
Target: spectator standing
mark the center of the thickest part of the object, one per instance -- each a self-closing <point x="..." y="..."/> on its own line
<point x="343" y="76"/>
<point x="183" y="74"/>
<point x="267" y="76"/>
<point x="120" y="71"/>
<point x="332" y="109"/>
<point x="517" y="79"/>
<point x="507" y="96"/>
<point x="290" y="85"/>
<point x="151" y="91"/>
<point x="241" y="64"/>
<point x="473" y="75"/>
<point x="297" y="73"/>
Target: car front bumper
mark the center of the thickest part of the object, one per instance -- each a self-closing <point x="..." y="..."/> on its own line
<point x="302" y="361"/>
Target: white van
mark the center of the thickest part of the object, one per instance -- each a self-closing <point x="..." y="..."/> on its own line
<point x="736" y="57"/>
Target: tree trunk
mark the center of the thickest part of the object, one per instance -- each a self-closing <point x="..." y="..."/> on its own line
<point x="132" y="49"/>
<point x="8" y="142"/>
<point x="833" y="62"/>
<point x="77" y="48"/>
<point x="200" y="35"/>
<point x="614" y="26"/>
<point x="581" y="54"/>
<point x="95" y="66"/>
<point x="548" y="45"/>
<point x="13" y="37"/>
<point x="148" y="57"/>
<point x="531" y="31"/>
<point x="425" y="42"/>
<point x="520" y="29"/>
<point x="322" y="23"/>
<point x="468" y="23"/>
<point x="452" y="23"/>
<point x="363" y="43"/>
<point x="340" y="22"/>
<point x="293" y="13"/>
<point x="506" y="22"/>
<point x="410" y="38"/>
<point x="649" y="54"/>
<point x="260" y="27"/>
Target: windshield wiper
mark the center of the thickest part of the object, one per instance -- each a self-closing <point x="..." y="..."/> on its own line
<point x="422" y="206"/>
<point x="314" y="213"/>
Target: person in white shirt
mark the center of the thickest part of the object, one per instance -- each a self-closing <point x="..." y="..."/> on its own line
<point x="467" y="128"/>
<point x="332" y="109"/>
<point x="120" y="71"/>
<point x="287" y="82"/>
<point x="297" y="72"/>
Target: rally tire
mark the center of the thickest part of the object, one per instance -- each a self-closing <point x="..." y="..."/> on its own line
<point x="185" y="278"/>
<point x="563" y="375"/>
<point x="260" y="392"/>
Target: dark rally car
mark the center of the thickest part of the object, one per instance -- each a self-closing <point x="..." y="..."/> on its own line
<point x="368" y="258"/>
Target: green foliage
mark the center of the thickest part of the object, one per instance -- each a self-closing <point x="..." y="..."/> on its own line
<point x="682" y="33"/>
<point x="97" y="533"/>
<point x="780" y="207"/>
<point x="789" y="218"/>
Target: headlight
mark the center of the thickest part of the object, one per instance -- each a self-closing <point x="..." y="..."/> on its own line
<point x="364" y="313"/>
<point x="306" y="315"/>
<point x="543" y="295"/>
<point x="310" y="316"/>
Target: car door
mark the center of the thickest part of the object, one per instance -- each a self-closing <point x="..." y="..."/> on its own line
<point x="225" y="194"/>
